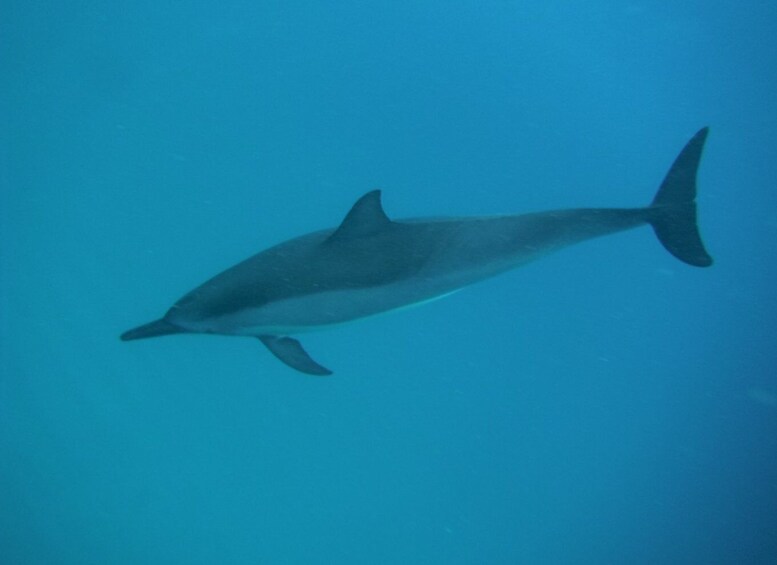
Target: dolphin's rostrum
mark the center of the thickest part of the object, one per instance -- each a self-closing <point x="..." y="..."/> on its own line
<point x="371" y="264"/>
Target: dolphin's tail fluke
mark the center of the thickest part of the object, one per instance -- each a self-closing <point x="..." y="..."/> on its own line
<point x="673" y="210"/>
<point x="152" y="329"/>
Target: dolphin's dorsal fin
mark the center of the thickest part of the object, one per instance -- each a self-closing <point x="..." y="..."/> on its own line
<point x="365" y="218"/>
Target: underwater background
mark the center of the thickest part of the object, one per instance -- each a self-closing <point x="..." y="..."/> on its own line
<point x="607" y="404"/>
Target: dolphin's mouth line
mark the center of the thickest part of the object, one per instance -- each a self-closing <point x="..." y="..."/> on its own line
<point x="152" y="329"/>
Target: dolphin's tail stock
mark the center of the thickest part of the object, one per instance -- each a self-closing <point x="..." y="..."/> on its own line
<point x="152" y="329"/>
<point x="673" y="210"/>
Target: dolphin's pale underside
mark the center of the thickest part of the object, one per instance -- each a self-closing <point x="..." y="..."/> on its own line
<point x="371" y="264"/>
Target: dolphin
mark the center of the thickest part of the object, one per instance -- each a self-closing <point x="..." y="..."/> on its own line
<point x="371" y="264"/>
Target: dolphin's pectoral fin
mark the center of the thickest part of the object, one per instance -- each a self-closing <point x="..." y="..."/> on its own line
<point x="366" y="217"/>
<point x="290" y="351"/>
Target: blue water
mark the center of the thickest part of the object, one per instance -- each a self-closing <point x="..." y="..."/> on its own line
<point x="607" y="404"/>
